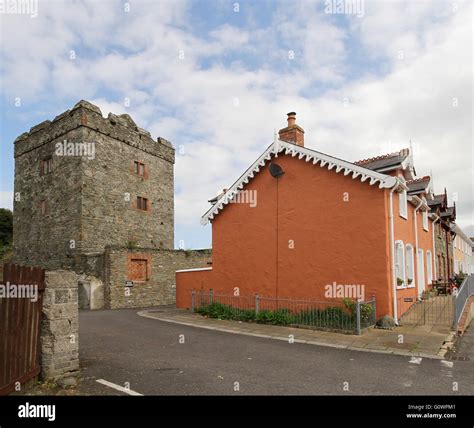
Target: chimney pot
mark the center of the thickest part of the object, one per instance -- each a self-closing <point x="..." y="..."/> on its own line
<point x="293" y="133"/>
<point x="291" y="118"/>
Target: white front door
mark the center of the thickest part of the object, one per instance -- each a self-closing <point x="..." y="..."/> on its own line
<point x="421" y="273"/>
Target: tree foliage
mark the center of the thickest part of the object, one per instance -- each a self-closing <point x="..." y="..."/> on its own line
<point x="6" y="227"/>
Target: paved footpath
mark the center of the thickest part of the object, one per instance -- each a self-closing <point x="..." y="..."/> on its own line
<point x="417" y="341"/>
<point x="135" y="354"/>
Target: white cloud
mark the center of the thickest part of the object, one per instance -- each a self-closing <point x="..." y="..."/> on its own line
<point x="6" y="200"/>
<point x="224" y="115"/>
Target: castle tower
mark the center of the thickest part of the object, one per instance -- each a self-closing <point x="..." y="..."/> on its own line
<point x="83" y="182"/>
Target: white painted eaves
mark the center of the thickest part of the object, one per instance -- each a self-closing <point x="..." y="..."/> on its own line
<point x="316" y="158"/>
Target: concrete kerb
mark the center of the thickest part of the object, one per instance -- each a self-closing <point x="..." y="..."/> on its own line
<point x="438" y="356"/>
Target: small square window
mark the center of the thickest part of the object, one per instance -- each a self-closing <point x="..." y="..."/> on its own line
<point x="142" y="203"/>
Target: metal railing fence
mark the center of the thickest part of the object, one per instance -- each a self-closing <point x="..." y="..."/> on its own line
<point x="462" y="296"/>
<point x="341" y="315"/>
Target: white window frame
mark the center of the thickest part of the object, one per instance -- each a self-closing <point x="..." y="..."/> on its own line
<point x="410" y="258"/>
<point x="399" y="244"/>
<point x="426" y="224"/>
<point x="421" y="269"/>
<point x="403" y="204"/>
<point x="429" y="266"/>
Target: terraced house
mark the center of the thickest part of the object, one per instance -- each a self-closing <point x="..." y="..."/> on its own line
<point x="320" y="220"/>
<point x="445" y="217"/>
<point x="462" y="252"/>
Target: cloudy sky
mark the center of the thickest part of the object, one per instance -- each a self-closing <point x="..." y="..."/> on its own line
<point x="218" y="77"/>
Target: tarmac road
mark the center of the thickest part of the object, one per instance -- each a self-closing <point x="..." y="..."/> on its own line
<point x="152" y="357"/>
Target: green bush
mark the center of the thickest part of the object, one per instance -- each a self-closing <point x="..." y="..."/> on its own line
<point x="278" y="317"/>
<point x="366" y="309"/>
<point x="331" y="317"/>
<point x="459" y="278"/>
<point x="226" y="312"/>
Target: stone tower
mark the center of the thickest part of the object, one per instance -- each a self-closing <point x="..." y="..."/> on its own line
<point x="84" y="182"/>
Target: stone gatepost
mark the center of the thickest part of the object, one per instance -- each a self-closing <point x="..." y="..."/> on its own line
<point x="60" y="327"/>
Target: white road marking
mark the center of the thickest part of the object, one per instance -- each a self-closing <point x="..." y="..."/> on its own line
<point x="415" y="360"/>
<point x="447" y="363"/>
<point x="117" y="387"/>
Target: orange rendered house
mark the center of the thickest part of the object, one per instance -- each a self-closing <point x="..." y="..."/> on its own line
<point x="298" y="220"/>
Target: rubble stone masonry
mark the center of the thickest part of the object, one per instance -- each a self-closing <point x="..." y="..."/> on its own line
<point x="69" y="205"/>
<point x="152" y="272"/>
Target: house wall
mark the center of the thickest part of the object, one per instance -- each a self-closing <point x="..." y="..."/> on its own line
<point x="462" y="254"/>
<point x="311" y="227"/>
<point x="404" y="230"/>
<point x="444" y="252"/>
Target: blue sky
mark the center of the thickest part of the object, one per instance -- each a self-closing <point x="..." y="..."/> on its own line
<point x="217" y="82"/>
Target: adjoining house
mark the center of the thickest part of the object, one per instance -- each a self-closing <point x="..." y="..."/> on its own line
<point x="444" y="217"/>
<point x="462" y="252"/>
<point x="298" y="220"/>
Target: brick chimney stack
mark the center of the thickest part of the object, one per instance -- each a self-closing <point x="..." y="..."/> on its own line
<point x="293" y="133"/>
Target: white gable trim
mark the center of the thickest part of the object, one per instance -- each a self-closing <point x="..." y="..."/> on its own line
<point x="331" y="163"/>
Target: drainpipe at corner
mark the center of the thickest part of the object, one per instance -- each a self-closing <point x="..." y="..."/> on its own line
<point x="416" y="249"/>
<point x="435" y="262"/>
<point x="392" y="250"/>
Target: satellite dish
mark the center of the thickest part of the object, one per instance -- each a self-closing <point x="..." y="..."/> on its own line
<point x="276" y="170"/>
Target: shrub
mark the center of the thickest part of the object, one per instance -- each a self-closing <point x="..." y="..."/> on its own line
<point x="459" y="278"/>
<point x="330" y="317"/>
<point x="278" y="317"/>
<point x="226" y="312"/>
<point x="366" y="309"/>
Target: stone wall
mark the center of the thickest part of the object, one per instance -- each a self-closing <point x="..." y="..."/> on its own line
<point x="43" y="239"/>
<point x="60" y="326"/>
<point x="110" y="189"/>
<point x="160" y="286"/>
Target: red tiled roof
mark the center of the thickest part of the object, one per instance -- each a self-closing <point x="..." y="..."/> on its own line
<point x="418" y="180"/>
<point x="418" y="185"/>
<point x="402" y="154"/>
